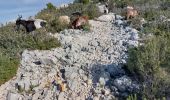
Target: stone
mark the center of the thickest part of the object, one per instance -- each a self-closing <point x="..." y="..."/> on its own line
<point x="81" y="72"/>
<point x="118" y="17"/>
<point x="110" y="50"/>
<point x="134" y="34"/>
<point x="93" y="43"/>
<point x="114" y="70"/>
<point x="96" y="98"/>
<point x="84" y="77"/>
<point x="119" y="23"/>
<point x="61" y="96"/>
<point x="102" y="81"/>
<point x="89" y="82"/>
<point x="72" y="84"/>
<point x="13" y="96"/>
<point x="132" y="43"/>
<point x="46" y="61"/>
<point x="123" y="83"/>
<point x="107" y="18"/>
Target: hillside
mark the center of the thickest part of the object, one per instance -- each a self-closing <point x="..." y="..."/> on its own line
<point x="89" y="59"/>
<point x="109" y="59"/>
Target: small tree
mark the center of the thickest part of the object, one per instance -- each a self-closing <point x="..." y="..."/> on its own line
<point x="50" y="6"/>
<point x="82" y="1"/>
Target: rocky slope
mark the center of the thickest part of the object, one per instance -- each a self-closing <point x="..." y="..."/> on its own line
<point x="87" y="66"/>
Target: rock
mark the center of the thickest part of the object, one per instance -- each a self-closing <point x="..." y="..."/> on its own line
<point x="118" y="17"/>
<point x="14" y="96"/>
<point x="110" y="50"/>
<point x="27" y="84"/>
<point x="102" y="81"/>
<point x="114" y="70"/>
<point x="134" y="34"/>
<point x="72" y="84"/>
<point x="93" y="43"/>
<point x="81" y="72"/>
<point x="61" y="96"/>
<point x="107" y="91"/>
<point x="96" y="98"/>
<point x="119" y="23"/>
<point x="46" y="61"/>
<point x="89" y="82"/>
<point x="84" y="77"/>
<point x="123" y="83"/>
<point x="107" y="18"/>
<point x="132" y="43"/>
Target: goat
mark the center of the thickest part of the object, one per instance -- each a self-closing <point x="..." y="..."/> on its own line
<point x="131" y="12"/>
<point x="30" y="25"/>
<point x="64" y="19"/>
<point x="78" y="22"/>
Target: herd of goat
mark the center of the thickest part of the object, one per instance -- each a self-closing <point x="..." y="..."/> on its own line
<point x="80" y="20"/>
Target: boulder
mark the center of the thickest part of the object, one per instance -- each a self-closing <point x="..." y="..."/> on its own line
<point x="107" y="18"/>
<point x="123" y="83"/>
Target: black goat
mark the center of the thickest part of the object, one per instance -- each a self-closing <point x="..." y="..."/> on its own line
<point x="30" y="25"/>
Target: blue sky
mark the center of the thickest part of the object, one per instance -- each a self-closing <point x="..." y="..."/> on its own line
<point x="9" y="9"/>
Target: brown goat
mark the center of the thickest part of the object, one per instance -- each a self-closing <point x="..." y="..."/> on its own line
<point x="78" y="22"/>
<point x="131" y="12"/>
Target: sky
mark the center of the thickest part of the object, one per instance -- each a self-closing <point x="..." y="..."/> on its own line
<point x="10" y="9"/>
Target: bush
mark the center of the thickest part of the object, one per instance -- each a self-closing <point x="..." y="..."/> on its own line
<point x="50" y="6"/>
<point x="145" y="62"/>
<point x="8" y="67"/>
<point x="55" y="26"/>
<point x="11" y="43"/>
<point x="82" y="1"/>
<point x="86" y="27"/>
<point x="91" y="11"/>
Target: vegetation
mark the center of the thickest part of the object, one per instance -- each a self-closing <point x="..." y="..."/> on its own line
<point x="149" y="63"/>
<point x="50" y="6"/>
<point x="82" y="1"/>
<point x="51" y="16"/>
<point x="12" y="43"/>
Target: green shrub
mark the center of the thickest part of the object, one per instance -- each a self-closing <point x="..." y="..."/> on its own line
<point x="55" y="26"/>
<point x="132" y="97"/>
<point x="8" y="67"/>
<point x="145" y="62"/>
<point x="50" y="6"/>
<point x="91" y="11"/>
<point x="86" y="27"/>
<point x="12" y="42"/>
<point x="82" y="1"/>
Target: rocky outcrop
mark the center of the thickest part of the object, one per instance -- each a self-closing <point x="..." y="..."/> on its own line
<point x="87" y="66"/>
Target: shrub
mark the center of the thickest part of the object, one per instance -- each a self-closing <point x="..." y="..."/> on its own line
<point x="146" y="62"/>
<point x="8" y="67"/>
<point x="55" y="26"/>
<point x="92" y="11"/>
<point x="86" y="27"/>
<point x="82" y="1"/>
<point x="50" y="6"/>
<point x="11" y="43"/>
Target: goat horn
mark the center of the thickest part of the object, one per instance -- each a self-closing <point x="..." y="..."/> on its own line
<point x="20" y="16"/>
